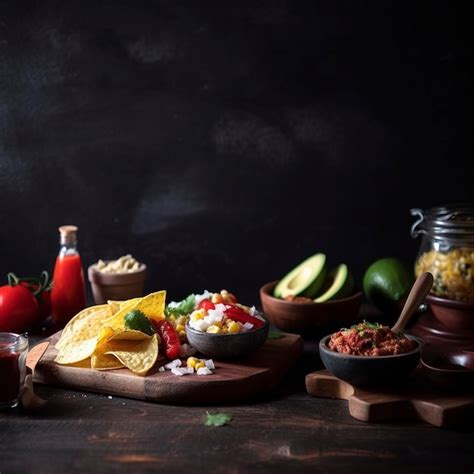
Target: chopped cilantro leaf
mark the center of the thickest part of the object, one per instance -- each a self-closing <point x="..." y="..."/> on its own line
<point x="137" y="321"/>
<point x="218" y="419"/>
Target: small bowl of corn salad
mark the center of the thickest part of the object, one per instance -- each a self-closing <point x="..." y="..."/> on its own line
<point x="226" y="331"/>
<point x="227" y="345"/>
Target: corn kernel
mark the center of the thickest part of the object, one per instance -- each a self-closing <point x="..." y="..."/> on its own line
<point x="234" y="327"/>
<point x="214" y="329"/>
<point x="199" y="365"/>
<point x="179" y="327"/>
<point x="225" y="296"/>
<point x="198" y="314"/>
<point x="191" y="362"/>
<point x="182" y="333"/>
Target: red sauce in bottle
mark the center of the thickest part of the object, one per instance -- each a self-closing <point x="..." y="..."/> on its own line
<point x="68" y="295"/>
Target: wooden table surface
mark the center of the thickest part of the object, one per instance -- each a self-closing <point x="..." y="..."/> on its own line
<point x="287" y="431"/>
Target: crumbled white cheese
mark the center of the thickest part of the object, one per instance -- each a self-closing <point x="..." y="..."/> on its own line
<point x="199" y="325"/>
<point x="256" y="314"/>
<point x="204" y="371"/>
<point x="173" y="364"/>
<point x="180" y="371"/>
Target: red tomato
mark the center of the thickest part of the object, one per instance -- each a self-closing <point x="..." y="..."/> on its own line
<point x="18" y="308"/>
<point x="206" y="304"/>
<point x="168" y="336"/>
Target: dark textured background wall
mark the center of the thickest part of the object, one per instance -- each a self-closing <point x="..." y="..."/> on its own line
<point x="222" y="142"/>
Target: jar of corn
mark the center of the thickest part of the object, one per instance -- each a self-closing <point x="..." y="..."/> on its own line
<point x="447" y="249"/>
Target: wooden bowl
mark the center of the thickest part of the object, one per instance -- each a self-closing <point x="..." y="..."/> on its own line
<point x="453" y="314"/>
<point x="301" y="318"/>
<point x="227" y="346"/>
<point x="116" y="286"/>
<point x="447" y="366"/>
<point x="367" y="370"/>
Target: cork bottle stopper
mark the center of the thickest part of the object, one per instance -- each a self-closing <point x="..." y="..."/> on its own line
<point x="68" y="234"/>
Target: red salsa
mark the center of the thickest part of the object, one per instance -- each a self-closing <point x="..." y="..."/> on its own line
<point x="9" y="375"/>
<point x="368" y="339"/>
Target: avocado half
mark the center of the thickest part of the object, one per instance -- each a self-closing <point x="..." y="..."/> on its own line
<point x="304" y="280"/>
<point x="340" y="283"/>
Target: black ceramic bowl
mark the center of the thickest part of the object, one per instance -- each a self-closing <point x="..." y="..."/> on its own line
<point x="366" y="370"/>
<point x="227" y="346"/>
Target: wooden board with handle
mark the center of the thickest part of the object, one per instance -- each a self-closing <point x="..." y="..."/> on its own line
<point x="231" y="381"/>
<point x="416" y="399"/>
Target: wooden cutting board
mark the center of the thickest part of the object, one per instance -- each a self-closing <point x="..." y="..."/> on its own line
<point x="417" y="399"/>
<point x="231" y="381"/>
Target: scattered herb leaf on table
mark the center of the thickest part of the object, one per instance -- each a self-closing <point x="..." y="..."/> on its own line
<point x="218" y="419"/>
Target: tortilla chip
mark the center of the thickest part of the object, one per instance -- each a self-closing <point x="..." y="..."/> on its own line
<point x="84" y="325"/>
<point x="119" y="340"/>
<point x="114" y="305"/>
<point x="152" y="305"/>
<point x="105" y="362"/>
<point x="138" y="356"/>
<point x="76" y="351"/>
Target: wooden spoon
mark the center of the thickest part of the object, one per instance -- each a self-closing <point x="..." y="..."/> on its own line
<point x="417" y="295"/>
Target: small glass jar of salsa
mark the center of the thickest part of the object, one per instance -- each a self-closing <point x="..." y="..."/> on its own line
<point x="13" y="350"/>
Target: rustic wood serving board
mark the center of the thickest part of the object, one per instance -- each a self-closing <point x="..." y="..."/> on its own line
<point x="231" y="381"/>
<point x="417" y="399"/>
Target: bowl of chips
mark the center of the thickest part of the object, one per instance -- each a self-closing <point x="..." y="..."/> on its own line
<point x="120" y="279"/>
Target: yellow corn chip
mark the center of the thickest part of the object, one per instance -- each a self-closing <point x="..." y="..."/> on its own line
<point x="138" y="356"/>
<point x="114" y="305"/>
<point x="84" y="325"/>
<point x="119" y="340"/>
<point x="76" y="351"/>
<point x="105" y="362"/>
<point x="152" y="305"/>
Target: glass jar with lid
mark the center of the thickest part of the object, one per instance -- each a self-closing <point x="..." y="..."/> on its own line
<point x="447" y="249"/>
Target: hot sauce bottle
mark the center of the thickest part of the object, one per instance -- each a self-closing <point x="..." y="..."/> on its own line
<point x="68" y="295"/>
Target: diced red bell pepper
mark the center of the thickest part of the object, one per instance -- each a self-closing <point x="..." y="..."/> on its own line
<point x="238" y="314"/>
